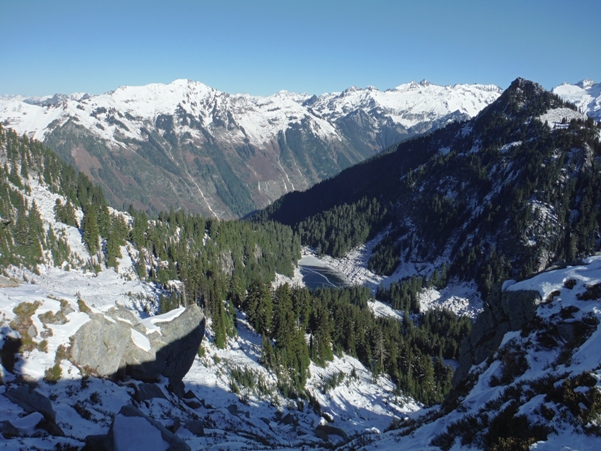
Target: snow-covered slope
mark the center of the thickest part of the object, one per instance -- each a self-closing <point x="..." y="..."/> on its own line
<point x="585" y="94"/>
<point x="189" y="145"/>
<point x="232" y="400"/>
<point x="235" y="411"/>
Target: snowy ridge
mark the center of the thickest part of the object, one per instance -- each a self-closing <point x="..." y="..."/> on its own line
<point x="567" y="290"/>
<point x="260" y="118"/>
<point x="586" y="95"/>
<point x="561" y="117"/>
<point x="347" y="392"/>
<point x="231" y="154"/>
<point x="409" y="104"/>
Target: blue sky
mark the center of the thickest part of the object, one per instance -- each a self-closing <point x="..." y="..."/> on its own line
<point x="263" y="46"/>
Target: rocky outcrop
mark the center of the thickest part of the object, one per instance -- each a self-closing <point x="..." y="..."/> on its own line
<point x="131" y="429"/>
<point x="5" y="282"/>
<point x="31" y="401"/>
<point x="504" y="311"/>
<point x="117" y="343"/>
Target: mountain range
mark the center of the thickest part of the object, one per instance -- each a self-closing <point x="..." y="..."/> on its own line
<point x="190" y="146"/>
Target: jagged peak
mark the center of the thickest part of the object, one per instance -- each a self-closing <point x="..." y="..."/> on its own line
<point x="521" y="90"/>
<point x="524" y="84"/>
<point x="181" y="84"/>
<point x="586" y="83"/>
<point x="351" y="89"/>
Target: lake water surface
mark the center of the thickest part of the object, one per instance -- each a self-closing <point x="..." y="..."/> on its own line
<point x="318" y="276"/>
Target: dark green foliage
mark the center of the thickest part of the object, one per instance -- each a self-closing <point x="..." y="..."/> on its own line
<point x="117" y="234"/>
<point x="336" y="231"/>
<point x="91" y="234"/>
<point x="259" y="308"/>
<point x="403" y="295"/>
<point x="65" y="213"/>
<point x="338" y="320"/>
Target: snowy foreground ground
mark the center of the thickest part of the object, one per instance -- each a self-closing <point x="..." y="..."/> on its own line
<point x="350" y="399"/>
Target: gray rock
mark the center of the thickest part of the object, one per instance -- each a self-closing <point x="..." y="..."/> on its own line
<point x="503" y="312"/>
<point x="148" y="391"/>
<point x="122" y="434"/>
<point x="98" y="346"/>
<point x="98" y="443"/>
<point x="172" y="351"/>
<point x="196" y="427"/>
<point x="324" y="431"/>
<point x="8" y="430"/>
<point x="105" y="346"/>
<point x="31" y="401"/>
<point x="520" y="306"/>
<point x="567" y="331"/>
<point x="289" y="419"/>
<point x="179" y="342"/>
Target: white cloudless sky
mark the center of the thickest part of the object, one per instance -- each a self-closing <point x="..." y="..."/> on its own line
<point x="263" y="46"/>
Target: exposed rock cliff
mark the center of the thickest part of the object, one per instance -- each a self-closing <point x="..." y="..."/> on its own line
<point x="504" y="311"/>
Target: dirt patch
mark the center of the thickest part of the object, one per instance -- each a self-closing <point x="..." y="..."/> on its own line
<point x="5" y="282"/>
<point x="84" y="160"/>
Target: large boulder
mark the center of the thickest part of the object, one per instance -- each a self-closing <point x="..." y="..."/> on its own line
<point x="116" y="343"/>
<point x="170" y="349"/>
<point x="98" y="346"/>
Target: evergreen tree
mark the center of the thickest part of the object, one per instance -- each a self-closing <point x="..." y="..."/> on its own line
<point x="91" y="234"/>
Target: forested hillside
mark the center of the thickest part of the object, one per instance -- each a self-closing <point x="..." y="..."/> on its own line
<point x="225" y="267"/>
<point x="505" y="194"/>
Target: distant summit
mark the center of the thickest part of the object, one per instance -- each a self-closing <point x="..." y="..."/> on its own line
<point x="586" y="83"/>
<point x="586" y="95"/>
<point x="441" y="197"/>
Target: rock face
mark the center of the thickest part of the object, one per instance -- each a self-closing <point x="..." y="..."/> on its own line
<point x="503" y="312"/>
<point x="31" y="401"/>
<point x="99" y="345"/>
<point x="116" y="343"/>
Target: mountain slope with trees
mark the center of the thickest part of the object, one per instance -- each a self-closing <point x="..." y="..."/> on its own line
<point x="505" y="194"/>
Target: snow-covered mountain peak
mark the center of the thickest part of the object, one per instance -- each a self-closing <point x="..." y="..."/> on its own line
<point x="157" y="97"/>
<point x="586" y="95"/>
<point x="586" y="83"/>
<point x="407" y="105"/>
<point x="407" y="86"/>
<point x="337" y="130"/>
